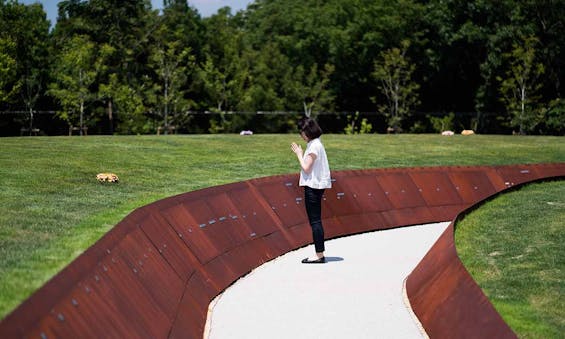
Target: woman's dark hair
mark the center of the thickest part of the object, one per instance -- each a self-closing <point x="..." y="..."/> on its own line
<point x="310" y="128"/>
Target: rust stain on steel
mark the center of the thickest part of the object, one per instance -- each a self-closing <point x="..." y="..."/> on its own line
<point x="277" y="243"/>
<point x="286" y="202"/>
<point x="192" y="233"/>
<point x="154" y="274"/>
<point x="245" y="202"/>
<point x="193" y="307"/>
<point x="150" y="268"/>
<point x="401" y="191"/>
<point x="365" y="190"/>
<point x="436" y="188"/>
<point x="169" y="243"/>
<point x="472" y="186"/>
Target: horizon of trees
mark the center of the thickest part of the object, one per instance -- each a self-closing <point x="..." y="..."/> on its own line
<point x="121" y="67"/>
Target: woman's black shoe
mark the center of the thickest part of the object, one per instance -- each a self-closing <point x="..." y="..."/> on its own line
<point x="317" y="261"/>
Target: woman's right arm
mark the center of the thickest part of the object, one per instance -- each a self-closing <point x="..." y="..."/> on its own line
<point x="306" y="162"/>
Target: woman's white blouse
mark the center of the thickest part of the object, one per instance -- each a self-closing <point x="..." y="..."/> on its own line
<point x="320" y="176"/>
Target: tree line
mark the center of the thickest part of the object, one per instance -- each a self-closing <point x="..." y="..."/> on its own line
<point x="121" y="67"/>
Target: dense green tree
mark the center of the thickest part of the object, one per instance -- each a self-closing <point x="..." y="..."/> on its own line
<point x="467" y="41"/>
<point x="273" y="57"/>
<point x="311" y="87"/>
<point x="127" y="27"/>
<point x="128" y="103"/>
<point x="269" y="73"/>
<point x="216" y="84"/>
<point x="74" y="74"/>
<point x="394" y="72"/>
<point x="521" y="85"/>
<point x="182" y="23"/>
<point x="169" y="61"/>
<point x="25" y="31"/>
<point x="348" y="34"/>
<point x="35" y="64"/>
<point x="554" y="118"/>
<point x="223" y="73"/>
<point x="174" y="46"/>
<point x="9" y="84"/>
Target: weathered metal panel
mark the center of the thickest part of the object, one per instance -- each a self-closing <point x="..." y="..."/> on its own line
<point x="242" y="259"/>
<point x="120" y="284"/>
<point x="285" y="200"/>
<point x="201" y="288"/>
<point x="408" y="216"/>
<point x="516" y="175"/>
<point x="471" y="185"/>
<point x="85" y="311"/>
<point x="355" y="223"/>
<point x="170" y="245"/>
<point x="220" y="272"/>
<point x="114" y="290"/>
<point x="548" y="170"/>
<point x="151" y="269"/>
<point x="400" y="190"/>
<point x="446" y="213"/>
<point x="277" y="243"/>
<point x="192" y="233"/>
<point x="301" y="235"/>
<point x="338" y="201"/>
<point x="360" y="223"/>
<point x="365" y="190"/>
<point x="65" y="320"/>
<point x="214" y="223"/>
<point x="333" y="228"/>
<point x="191" y="319"/>
<point x="227" y="219"/>
<point x="192" y="310"/>
<point x="258" y="219"/>
<point x="496" y="180"/>
<point x="435" y="187"/>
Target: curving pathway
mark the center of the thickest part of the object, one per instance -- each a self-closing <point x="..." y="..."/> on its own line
<point x="357" y="294"/>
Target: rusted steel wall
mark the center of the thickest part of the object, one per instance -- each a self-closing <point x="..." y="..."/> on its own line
<point x="154" y="274"/>
<point x="442" y="294"/>
<point x="447" y="301"/>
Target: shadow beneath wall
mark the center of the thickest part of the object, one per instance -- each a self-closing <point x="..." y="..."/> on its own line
<point x="332" y="259"/>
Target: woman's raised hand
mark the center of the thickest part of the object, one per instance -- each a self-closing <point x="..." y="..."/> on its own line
<point x="297" y="149"/>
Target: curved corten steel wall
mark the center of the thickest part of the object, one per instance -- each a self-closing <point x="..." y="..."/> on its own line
<point x="154" y="274"/>
<point x="444" y="296"/>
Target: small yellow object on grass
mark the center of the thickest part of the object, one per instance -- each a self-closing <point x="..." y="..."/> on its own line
<point x="107" y="177"/>
<point x="467" y="132"/>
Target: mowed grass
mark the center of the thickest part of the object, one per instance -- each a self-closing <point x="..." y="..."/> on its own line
<point x="513" y="248"/>
<point x="52" y="208"/>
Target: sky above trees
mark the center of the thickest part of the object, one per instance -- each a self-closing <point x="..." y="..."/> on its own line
<point x="204" y="7"/>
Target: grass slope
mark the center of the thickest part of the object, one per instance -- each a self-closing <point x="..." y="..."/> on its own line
<point x="52" y="208"/>
<point x="513" y="248"/>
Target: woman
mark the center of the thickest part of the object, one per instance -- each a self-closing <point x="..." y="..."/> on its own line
<point x="315" y="178"/>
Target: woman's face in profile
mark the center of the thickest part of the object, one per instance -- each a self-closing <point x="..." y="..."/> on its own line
<point x="303" y="135"/>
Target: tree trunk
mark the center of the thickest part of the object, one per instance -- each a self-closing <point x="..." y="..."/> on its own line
<point x="111" y="117"/>
<point x="166" y="107"/>
<point x="522" y="108"/>
<point x="81" y="116"/>
<point x="30" y="120"/>
<point x="307" y="110"/>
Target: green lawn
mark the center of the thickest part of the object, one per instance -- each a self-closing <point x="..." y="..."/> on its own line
<point x="52" y="208"/>
<point x="513" y="248"/>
